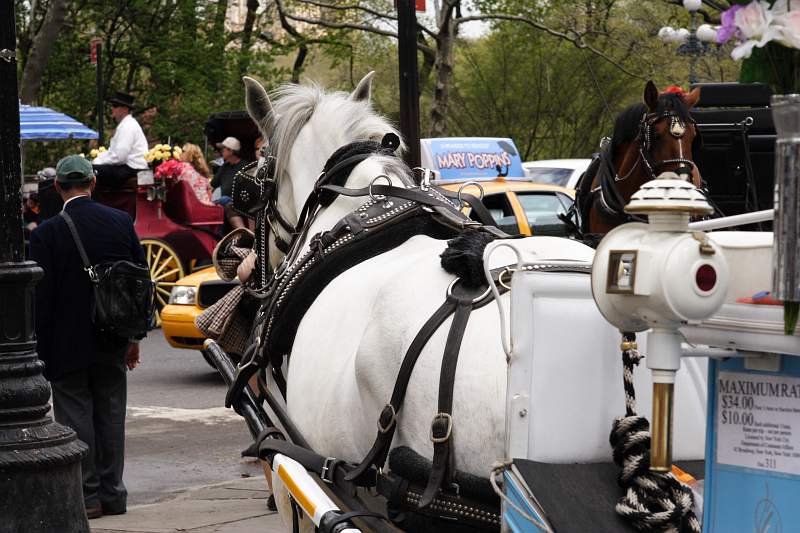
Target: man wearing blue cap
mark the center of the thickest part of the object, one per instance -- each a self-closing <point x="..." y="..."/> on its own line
<point x="86" y="366"/>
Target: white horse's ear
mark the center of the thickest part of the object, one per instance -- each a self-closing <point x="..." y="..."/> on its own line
<point x="257" y="102"/>
<point x="363" y="90"/>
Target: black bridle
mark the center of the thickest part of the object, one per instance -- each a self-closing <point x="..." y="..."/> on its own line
<point x="336" y="169"/>
<point x="606" y="195"/>
<point x="677" y="129"/>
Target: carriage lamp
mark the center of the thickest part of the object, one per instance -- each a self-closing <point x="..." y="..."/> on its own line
<point x="660" y="276"/>
<point x="693" y="41"/>
<point x="182" y="295"/>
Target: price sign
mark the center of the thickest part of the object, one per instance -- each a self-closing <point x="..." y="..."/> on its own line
<point x="758" y="421"/>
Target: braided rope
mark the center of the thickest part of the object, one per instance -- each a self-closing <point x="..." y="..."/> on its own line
<point x="653" y="501"/>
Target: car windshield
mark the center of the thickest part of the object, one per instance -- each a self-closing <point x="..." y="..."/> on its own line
<point x="549" y="176"/>
<point x="499" y="207"/>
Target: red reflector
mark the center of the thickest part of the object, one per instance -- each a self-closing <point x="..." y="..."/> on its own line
<point x="706" y="278"/>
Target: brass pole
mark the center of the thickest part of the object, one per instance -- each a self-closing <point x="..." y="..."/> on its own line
<point x="661" y="436"/>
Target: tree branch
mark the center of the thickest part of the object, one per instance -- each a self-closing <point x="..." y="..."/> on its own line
<point x="576" y="40"/>
<point x="348" y="8"/>
<point x="341" y="25"/>
<point x="353" y="26"/>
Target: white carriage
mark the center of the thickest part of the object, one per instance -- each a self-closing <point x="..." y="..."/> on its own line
<point x="543" y="413"/>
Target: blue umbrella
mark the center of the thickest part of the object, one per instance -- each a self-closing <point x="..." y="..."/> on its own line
<point x="44" y="124"/>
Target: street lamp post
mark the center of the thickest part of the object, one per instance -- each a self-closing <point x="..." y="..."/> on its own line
<point x="409" y="78"/>
<point x="694" y="41"/>
<point x="40" y="476"/>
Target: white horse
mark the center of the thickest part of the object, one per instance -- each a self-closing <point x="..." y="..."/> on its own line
<point x="351" y="342"/>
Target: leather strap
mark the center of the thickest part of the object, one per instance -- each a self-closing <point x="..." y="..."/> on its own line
<point x="442" y="425"/>
<point x="387" y="421"/>
<point x="481" y="213"/>
<point x="331" y="470"/>
<point x="75" y="237"/>
<point x="332" y="519"/>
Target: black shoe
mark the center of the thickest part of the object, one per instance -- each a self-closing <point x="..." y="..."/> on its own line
<point x="94" y="512"/>
<point x="109" y="509"/>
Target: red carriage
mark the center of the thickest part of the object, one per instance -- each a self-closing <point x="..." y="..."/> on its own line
<point x="177" y="230"/>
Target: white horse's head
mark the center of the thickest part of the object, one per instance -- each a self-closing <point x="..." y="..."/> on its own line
<point x="304" y="125"/>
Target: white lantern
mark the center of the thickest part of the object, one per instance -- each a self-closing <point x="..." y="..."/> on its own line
<point x="692" y="5"/>
<point x="707" y="33"/>
<point x="681" y="35"/>
<point x="666" y="34"/>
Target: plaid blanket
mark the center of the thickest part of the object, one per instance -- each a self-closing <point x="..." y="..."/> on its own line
<point x="224" y="321"/>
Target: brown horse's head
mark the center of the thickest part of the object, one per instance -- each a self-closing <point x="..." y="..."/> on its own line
<point x="669" y="133"/>
<point x="650" y="138"/>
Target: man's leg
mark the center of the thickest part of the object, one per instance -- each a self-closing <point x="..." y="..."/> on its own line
<point x="113" y="175"/>
<point x="109" y="388"/>
<point x="72" y="406"/>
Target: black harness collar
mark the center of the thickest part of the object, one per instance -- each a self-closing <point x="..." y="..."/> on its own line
<point x="389" y="217"/>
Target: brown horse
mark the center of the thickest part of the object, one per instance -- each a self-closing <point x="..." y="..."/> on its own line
<point x="648" y="139"/>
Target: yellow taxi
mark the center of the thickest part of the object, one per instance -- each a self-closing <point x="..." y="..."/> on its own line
<point x="190" y="296"/>
<point x="518" y="207"/>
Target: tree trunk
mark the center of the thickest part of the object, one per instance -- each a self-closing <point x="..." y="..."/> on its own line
<point x="444" y="72"/>
<point x="218" y="31"/>
<point x="41" y="49"/>
<point x="297" y="67"/>
<point x="247" y="36"/>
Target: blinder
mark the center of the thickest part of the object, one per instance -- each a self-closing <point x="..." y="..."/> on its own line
<point x="253" y="193"/>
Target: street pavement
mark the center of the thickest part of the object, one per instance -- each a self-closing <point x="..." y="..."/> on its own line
<point x="183" y="464"/>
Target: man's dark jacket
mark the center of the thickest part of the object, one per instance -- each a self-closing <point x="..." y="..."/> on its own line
<point x="67" y="341"/>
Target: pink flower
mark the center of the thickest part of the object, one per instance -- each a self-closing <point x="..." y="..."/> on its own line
<point x="170" y="169"/>
<point x="753" y="19"/>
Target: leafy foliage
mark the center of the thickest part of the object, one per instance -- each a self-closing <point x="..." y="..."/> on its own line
<point x="176" y="57"/>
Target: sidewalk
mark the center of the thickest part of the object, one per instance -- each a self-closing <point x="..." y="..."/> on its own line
<point x="238" y="506"/>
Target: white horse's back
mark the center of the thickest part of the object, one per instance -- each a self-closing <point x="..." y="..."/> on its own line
<point x="351" y="342"/>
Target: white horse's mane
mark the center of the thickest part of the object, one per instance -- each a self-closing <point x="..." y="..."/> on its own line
<point x="294" y="105"/>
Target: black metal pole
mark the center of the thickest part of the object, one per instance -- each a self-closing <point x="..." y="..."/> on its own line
<point x="409" y="78"/>
<point x="40" y="476"/>
<point x="100" y="116"/>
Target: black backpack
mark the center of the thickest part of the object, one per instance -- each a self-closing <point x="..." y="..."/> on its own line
<point x="124" y="294"/>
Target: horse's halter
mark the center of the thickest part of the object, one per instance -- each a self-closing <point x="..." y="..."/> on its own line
<point x="265" y="173"/>
<point x="677" y="129"/>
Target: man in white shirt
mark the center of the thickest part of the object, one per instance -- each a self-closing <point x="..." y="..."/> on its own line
<point x="125" y="157"/>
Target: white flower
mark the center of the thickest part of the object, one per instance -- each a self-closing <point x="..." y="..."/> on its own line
<point x="753" y="20"/>
<point x="759" y="25"/>
<point x="789" y="24"/>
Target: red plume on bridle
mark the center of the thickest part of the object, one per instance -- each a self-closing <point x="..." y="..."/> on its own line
<point x="675" y="89"/>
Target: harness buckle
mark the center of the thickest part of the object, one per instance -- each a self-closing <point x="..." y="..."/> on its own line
<point x="439" y="434"/>
<point x="392" y="414"/>
<point x="327" y="472"/>
<point x="426" y="175"/>
<point x="92" y="274"/>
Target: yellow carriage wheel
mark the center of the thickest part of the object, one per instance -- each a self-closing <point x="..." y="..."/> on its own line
<point x="165" y="269"/>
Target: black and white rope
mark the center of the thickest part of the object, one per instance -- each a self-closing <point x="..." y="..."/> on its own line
<point x="653" y="501"/>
